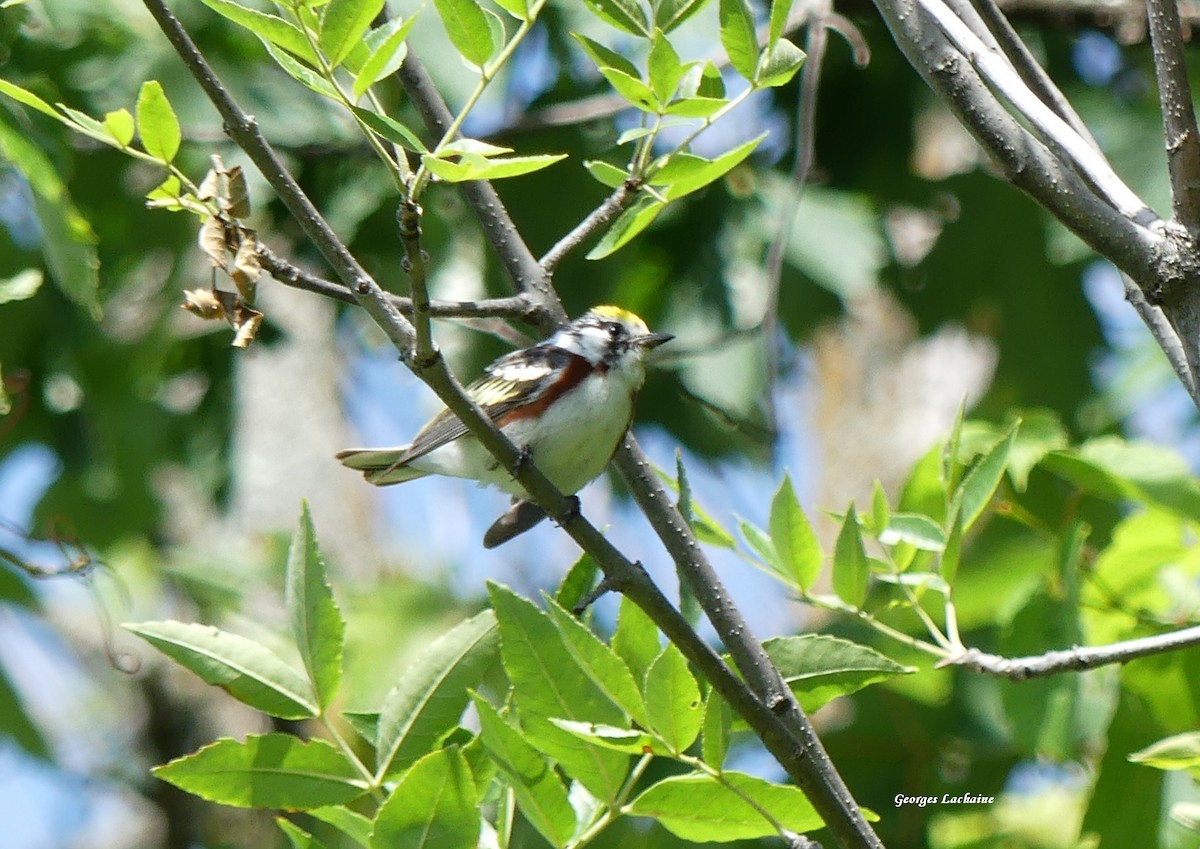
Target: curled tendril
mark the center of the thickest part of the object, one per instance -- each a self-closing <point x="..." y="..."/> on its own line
<point x="80" y="563"/>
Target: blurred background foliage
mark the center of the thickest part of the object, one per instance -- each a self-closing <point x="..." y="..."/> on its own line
<point x="137" y="438"/>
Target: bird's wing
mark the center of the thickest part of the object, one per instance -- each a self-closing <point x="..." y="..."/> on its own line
<point x="511" y="382"/>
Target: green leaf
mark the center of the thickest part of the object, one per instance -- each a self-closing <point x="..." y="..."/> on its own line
<point x="631" y="741"/>
<point x="385" y="58"/>
<point x="718" y="720"/>
<point x="119" y="124"/>
<point x="317" y="624"/>
<point x="711" y="84"/>
<point x="916" y="530"/>
<point x="695" y="107"/>
<point x="473" y="166"/>
<point x="600" y="663"/>
<point x="298" y="837"/>
<point x="708" y="530"/>
<point x="156" y="122"/>
<point x="467" y="26"/>
<point x="548" y="683"/>
<point x="665" y="69"/>
<point x="608" y="175"/>
<point x="433" y="807"/>
<point x="248" y="671"/>
<point x="636" y="639"/>
<point x="980" y="484"/>
<point x="628" y="15"/>
<point x="819" y="668"/>
<point x="22" y="285"/>
<point x="365" y="723"/>
<point x="300" y="73"/>
<point x="631" y="87"/>
<point x="702" y="808"/>
<point x="762" y="546"/>
<point x="793" y="538"/>
<point x="880" y="510"/>
<point x="27" y="97"/>
<point x="604" y="57"/>
<point x="496" y="30"/>
<point x="431" y="695"/>
<point x="578" y="582"/>
<point x="684" y="173"/>
<point x="271" y="28"/>
<point x="343" y="24"/>
<point x="952" y="553"/>
<point x="851" y="569"/>
<point x="779" y="63"/>
<point x="673" y="700"/>
<point x="540" y="793"/>
<point x="780" y="10"/>
<point x="738" y="37"/>
<point x="669" y="14"/>
<point x="629" y="224"/>
<point x="267" y="771"/>
<point x="390" y="129"/>
<point x="1182" y="751"/>
<point x="350" y="823"/>
<point x="519" y="9"/>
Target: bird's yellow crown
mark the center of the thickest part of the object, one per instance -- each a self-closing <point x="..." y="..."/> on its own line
<point x="630" y="320"/>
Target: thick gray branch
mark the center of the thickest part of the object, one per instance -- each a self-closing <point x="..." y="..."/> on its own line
<point x="1179" y="117"/>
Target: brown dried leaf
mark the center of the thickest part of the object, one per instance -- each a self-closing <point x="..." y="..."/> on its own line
<point x="246" y="267"/>
<point x="236" y="199"/>
<point x="214" y="242"/>
<point x="204" y="303"/>
<point x="210" y="187"/>
<point x="245" y="323"/>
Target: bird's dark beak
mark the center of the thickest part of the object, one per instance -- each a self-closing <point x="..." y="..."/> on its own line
<point x="653" y="340"/>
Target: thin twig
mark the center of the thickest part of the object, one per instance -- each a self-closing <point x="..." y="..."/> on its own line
<point x="244" y="132"/>
<point x="1075" y="659"/>
<point x="806" y="128"/>
<point x="408" y="218"/>
<point x="1164" y="334"/>
<point x="1179" y="116"/>
<point x="613" y="205"/>
<point x="515" y="307"/>
<point x="522" y="266"/>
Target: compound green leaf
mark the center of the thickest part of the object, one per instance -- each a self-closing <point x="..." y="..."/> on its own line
<point x="248" y="671"/>
<point x="317" y="624"/>
<point x="267" y="771"/>
<point x="431" y="695"/>
<point x="793" y="538"/>
<point x="702" y="808"/>
<point x="433" y="807"/>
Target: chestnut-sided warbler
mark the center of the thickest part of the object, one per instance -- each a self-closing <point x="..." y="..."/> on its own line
<point x="565" y="402"/>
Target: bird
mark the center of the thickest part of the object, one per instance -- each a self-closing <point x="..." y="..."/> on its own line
<point x="565" y="402"/>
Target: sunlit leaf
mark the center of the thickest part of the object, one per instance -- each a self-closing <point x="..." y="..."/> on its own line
<point x="433" y="807"/>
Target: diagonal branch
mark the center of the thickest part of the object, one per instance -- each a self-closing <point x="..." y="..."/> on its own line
<point x="613" y="205"/>
<point x="1179" y="116"/>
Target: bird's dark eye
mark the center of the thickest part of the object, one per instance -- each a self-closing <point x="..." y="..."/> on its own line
<point x="614" y="330"/>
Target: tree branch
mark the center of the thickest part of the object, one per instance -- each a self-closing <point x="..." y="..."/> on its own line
<point x="1076" y="659"/>
<point x="613" y="205"/>
<point x="818" y="777"/>
<point x="244" y="132"/>
<point x="1179" y="116"/>
<point x="1031" y="72"/>
<point x="1053" y="129"/>
<point x="515" y="307"/>
<point x="1164" y="334"/>
<point x="1024" y="161"/>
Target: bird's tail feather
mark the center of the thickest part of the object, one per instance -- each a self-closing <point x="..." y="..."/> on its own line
<point x="380" y="466"/>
